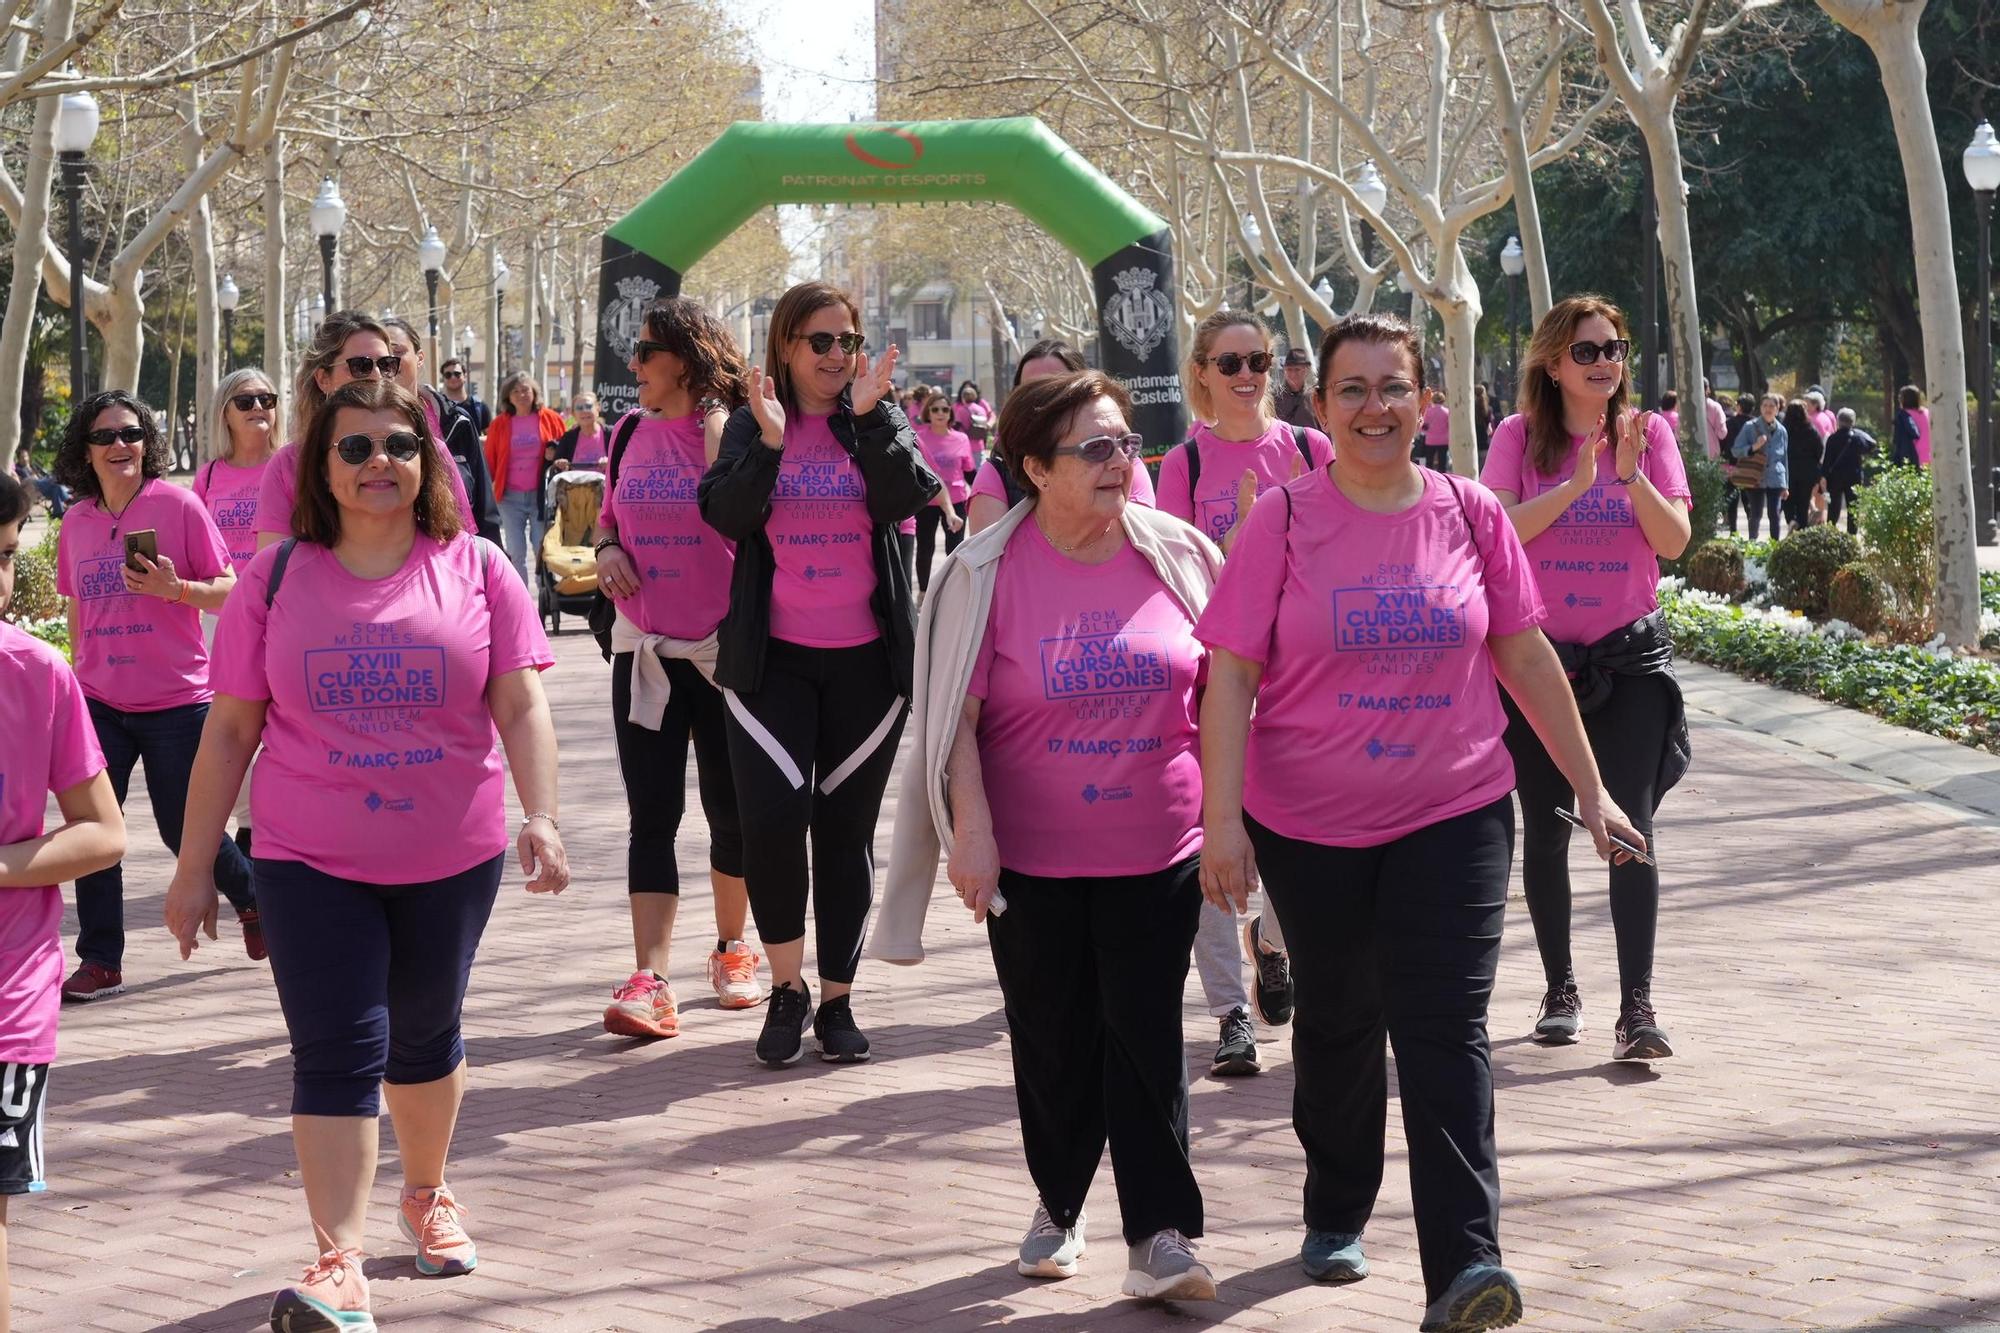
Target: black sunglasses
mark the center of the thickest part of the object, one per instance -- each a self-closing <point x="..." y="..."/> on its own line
<point x="245" y="401"/>
<point x="1231" y="362"/>
<point x="822" y="343"/>
<point x="401" y="445"/>
<point x="115" y="435"/>
<point x="645" y="347"/>
<point x="454" y="374"/>
<point x="1100" y="448"/>
<point x="361" y="367"/>
<point x="1585" y="354"/>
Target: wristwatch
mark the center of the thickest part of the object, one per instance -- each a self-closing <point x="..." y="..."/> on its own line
<point x="603" y="542"/>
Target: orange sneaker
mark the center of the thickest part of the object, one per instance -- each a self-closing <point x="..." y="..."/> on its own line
<point x="333" y="1295"/>
<point x="429" y="1220"/>
<point x="643" y="1007"/>
<point x="733" y="974"/>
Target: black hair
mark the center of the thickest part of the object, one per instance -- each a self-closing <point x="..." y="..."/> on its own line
<point x="13" y="501"/>
<point x="73" y="467"/>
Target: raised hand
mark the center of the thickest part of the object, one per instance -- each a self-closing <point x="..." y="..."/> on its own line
<point x="1585" y="475"/>
<point x="159" y="579"/>
<point x="874" y="382"/>
<point x="764" y="406"/>
<point x="1632" y="441"/>
<point x="1246" y="500"/>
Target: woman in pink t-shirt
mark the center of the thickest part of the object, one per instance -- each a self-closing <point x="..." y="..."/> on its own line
<point x="948" y="453"/>
<point x="47" y="747"/>
<point x="1366" y="612"/>
<point x="382" y="657"/>
<point x="1436" y="433"/>
<point x="520" y="444"/>
<point x="814" y="653"/>
<point x="972" y="415"/>
<point x="1599" y="495"/>
<point x="667" y="572"/>
<point x="135" y="634"/>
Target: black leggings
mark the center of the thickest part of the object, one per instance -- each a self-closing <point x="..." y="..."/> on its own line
<point x="654" y="767"/>
<point x="928" y="521"/>
<point x="1758" y="502"/>
<point x="1402" y="937"/>
<point x="811" y="751"/>
<point x="1628" y="735"/>
<point x="906" y="546"/>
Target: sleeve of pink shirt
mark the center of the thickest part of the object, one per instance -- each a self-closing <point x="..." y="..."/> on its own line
<point x="64" y="583"/>
<point x="236" y="661"/>
<point x="1505" y="454"/>
<point x="1663" y="461"/>
<point x="1319" y="446"/>
<point x="208" y="554"/>
<point x="516" y="639"/>
<point x="1142" y="486"/>
<point x="1173" y="496"/>
<point x="607" y="514"/>
<point x="74" y="755"/>
<point x="1513" y="602"/>
<point x="982" y="661"/>
<point x="200" y="484"/>
<point x="274" y="497"/>
<point x="1244" y="607"/>
<point x="988" y="482"/>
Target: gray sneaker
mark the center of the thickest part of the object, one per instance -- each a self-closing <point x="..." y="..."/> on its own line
<point x="1163" y="1268"/>
<point x="1048" y="1250"/>
<point x="1333" y="1256"/>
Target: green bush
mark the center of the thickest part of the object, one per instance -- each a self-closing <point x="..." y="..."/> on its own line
<point x="1803" y="565"/>
<point x="1895" y="517"/>
<point x="1708" y="490"/>
<point x="35" y="595"/>
<point x="1717" y="566"/>
<point x="1857" y="596"/>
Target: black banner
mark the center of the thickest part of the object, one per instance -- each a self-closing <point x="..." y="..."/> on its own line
<point x="1139" y="337"/>
<point x="629" y="283"/>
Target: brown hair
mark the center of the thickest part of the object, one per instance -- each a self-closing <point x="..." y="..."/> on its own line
<point x="1041" y="410"/>
<point x="316" y="514"/>
<point x="1049" y="347"/>
<point x="1205" y="334"/>
<point x="1541" y="400"/>
<point x="794" y="308"/>
<point x="409" y="331"/>
<point x="507" y="391"/>
<point x="1389" y="329"/>
<point x="710" y="363"/>
<point x="328" y="339"/>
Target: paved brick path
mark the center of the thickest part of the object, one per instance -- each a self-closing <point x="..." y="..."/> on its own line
<point x="1823" y="1154"/>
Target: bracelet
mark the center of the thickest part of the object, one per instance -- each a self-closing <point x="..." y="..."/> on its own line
<point x="605" y="544"/>
<point x="1627" y="481"/>
<point x="541" y="814"/>
<point x="180" y="591"/>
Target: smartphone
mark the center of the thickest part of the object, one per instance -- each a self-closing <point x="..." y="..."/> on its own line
<point x="1643" y="858"/>
<point x="146" y="542"/>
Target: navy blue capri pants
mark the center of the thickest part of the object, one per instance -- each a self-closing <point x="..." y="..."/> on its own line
<point x="371" y="977"/>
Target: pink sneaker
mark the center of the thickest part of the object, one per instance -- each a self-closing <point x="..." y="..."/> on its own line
<point x="429" y="1219"/>
<point x="643" y="1007"/>
<point x="733" y="974"/>
<point x="332" y="1295"/>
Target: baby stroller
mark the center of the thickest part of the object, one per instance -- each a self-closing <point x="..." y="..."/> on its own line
<point x="567" y="562"/>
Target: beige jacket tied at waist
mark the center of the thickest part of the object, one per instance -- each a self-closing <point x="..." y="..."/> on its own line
<point x="650" y="687"/>
<point x="948" y="639"/>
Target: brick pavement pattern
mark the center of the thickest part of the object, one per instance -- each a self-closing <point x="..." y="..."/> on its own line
<point x="1822" y="1154"/>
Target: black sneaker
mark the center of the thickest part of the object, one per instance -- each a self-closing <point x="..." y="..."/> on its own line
<point x="1271" y="995"/>
<point x="785" y="1019"/>
<point x="1237" y="1055"/>
<point x="1562" y="1016"/>
<point x="1639" y="1035"/>
<point x="839" y="1041"/>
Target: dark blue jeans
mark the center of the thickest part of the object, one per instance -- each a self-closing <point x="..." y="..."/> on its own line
<point x="166" y="742"/>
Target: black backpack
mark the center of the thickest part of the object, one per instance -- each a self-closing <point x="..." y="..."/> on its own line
<point x="603" y="611"/>
<point x="1194" y="456"/>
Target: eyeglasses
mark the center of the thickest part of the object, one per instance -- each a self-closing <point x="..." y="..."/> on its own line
<point x="1586" y="354"/>
<point x="362" y="367"/>
<point x="401" y="445"/>
<point x="245" y="401"/>
<point x="822" y="343"/>
<point x="1230" y="362"/>
<point x="115" y="435"/>
<point x="645" y="347"/>
<point x="1353" y="396"/>
<point x="454" y="374"/>
<point x="1099" y="449"/>
<point x="584" y="407"/>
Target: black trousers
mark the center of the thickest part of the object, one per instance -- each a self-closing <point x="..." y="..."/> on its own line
<point x="1628" y="735"/>
<point x="811" y="752"/>
<point x="1840" y="498"/>
<point x="1092" y="971"/>
<point x="1761" y="501"/>
<point x="654" y="767"/>
<point x="929" y="520"/>
<point x="906" y="546"/>
<point x="1403" y="938"/>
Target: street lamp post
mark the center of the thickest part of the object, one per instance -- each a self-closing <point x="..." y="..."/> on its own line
<point x="76" y="128"/>
<point x="1982" y="173"/>
<point x="329" y="215"/>
<point x="502" y="277"/>
<point x="226" y="297"/>
<point x="1254" y="235"/>
<point x="1374" y="196"/>
<point x="1513" y="263"/>
<point x="430" y="258"/>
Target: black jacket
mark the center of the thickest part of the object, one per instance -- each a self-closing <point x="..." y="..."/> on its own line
<point x="1848" y="452"/>
<point x="465" y="441"/>
<point x="1642" y="648"/>
<point x="735" y="497"/>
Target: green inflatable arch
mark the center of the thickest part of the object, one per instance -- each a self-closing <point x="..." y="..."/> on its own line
<point x="1016" y="161"/>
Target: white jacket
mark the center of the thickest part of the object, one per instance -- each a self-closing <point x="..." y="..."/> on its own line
<point x="948" y="639"/>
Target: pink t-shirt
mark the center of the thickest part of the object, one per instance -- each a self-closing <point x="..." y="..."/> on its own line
<point x="820" y="533"/>
<point x="1273" y="456"/>
<point x="1437" y="426"/>
<point x="1089" y="676"/>
<point x="1379" y="713"/>
<point x="1718" y="426"/>
<point x="683" y="563"/>
<point x="281" y="485"/>
<point x="590" y="451"/>
<point x="1826" y="423"/>
<point x="47" y="744"/>
<point x="524" y="453"/>
<point x="987" y="482"/>
<point x="1923" y="416"/>
<point x="138" y="653"/>
<point x="1595" y="569"/>
<point x="380" y="759"/>
<point x="950" y="457"/>
<point x="1673" y="420"/>
<point x="230" y="493"/>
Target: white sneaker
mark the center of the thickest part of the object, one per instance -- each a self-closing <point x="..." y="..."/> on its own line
<point x="1048" y="1250"/>
<point x="733" y="974"/>
<point x="1163" y="1268"/>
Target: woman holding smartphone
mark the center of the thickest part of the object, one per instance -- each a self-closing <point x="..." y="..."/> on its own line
<point x="139" y="559"/>
<point x="1598" y="496"/>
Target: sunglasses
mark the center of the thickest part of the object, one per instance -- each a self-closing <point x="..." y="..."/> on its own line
<point x="645" y="347"/>
<point x="1230" y="362"/>
<point x="401" y="445"/>
<point x="822" y="343"/>
<point x="245" y="401"/>
<point x="1585" y="354"/>
<point x="1100" y="449"/>
<point x="361" y="367"/>
<point x="115" y="435"/>
<point x="454" y="374"/>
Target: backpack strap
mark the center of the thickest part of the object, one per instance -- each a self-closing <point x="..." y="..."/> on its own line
<point x="1305" y="450"/>
<point x="1193" y="463"/>
<point x="284" y="558"/>
<point x="621" y="436"/>
<point x="1471" y="533"/>
<point x="208" y="474"/>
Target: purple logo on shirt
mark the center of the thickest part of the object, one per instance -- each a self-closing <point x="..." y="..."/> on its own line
<point x="236" y="513"/>
<point x="1083" y="666"/>
<point x="1376" y="749"/>
<point x="101" y="578"/>
<point x="659" y="484"/>
<point x="343" y="679"/>
<point x="1404" y="617"/>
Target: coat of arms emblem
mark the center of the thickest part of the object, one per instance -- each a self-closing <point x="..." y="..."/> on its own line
<point x="625" y="317"/>
<point x="1140" y="315"/>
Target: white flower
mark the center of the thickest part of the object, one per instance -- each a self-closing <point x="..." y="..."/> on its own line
<point x="1753" y="573"/>
<point x="1839" y="631"/>
<point x="1670" y="585"/>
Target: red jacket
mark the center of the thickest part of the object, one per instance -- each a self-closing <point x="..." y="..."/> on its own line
<point x="500" y="443"/>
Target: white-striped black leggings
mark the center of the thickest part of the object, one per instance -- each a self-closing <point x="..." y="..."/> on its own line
<point x="811" y="752"/>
